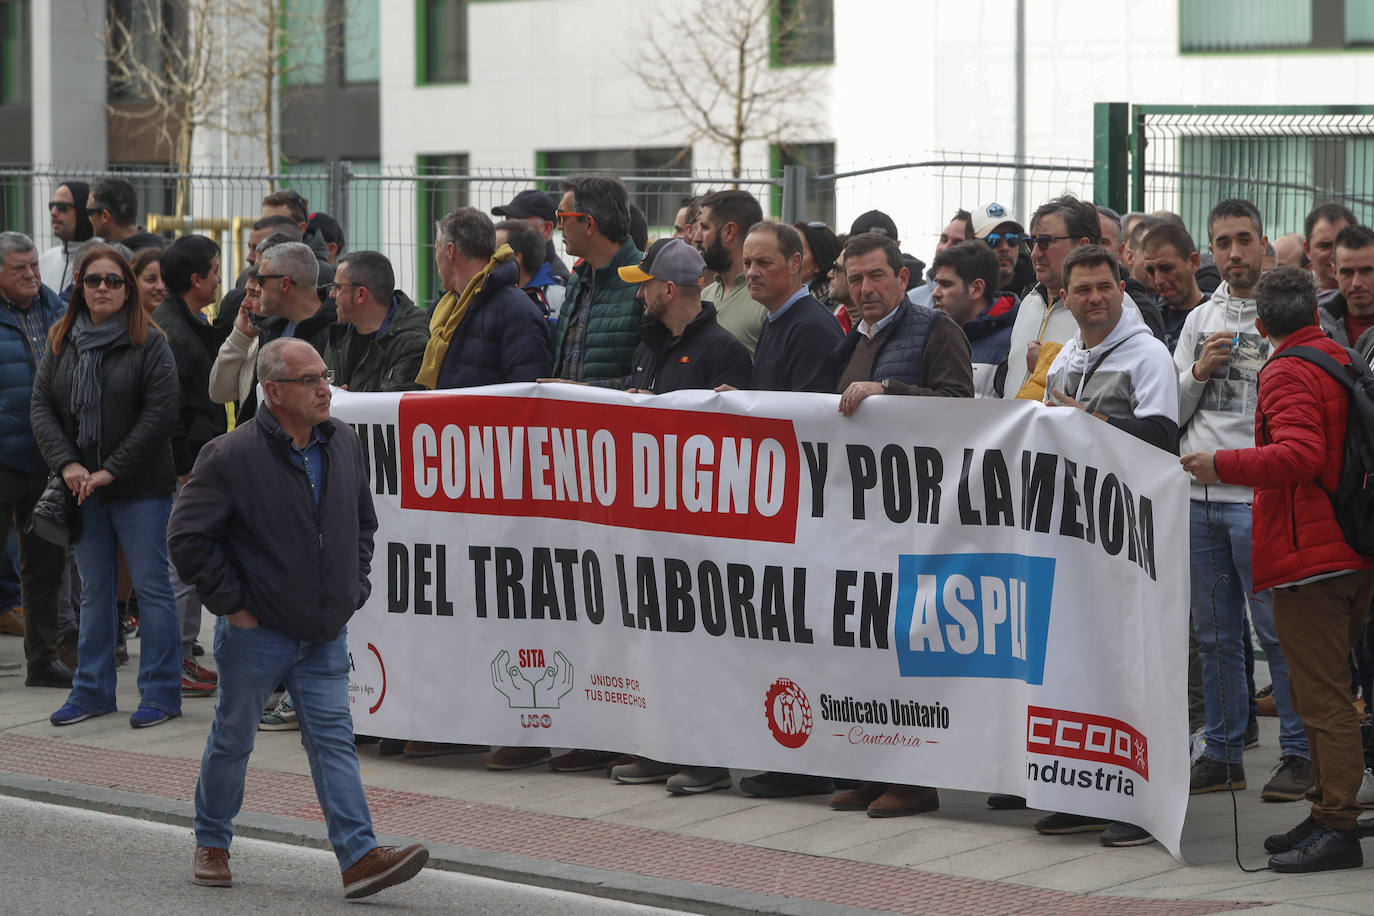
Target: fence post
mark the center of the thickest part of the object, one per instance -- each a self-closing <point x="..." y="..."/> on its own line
<point x="1137" y="143"/>
<point x="793" y="193"/>
<point x="1111" y="141"/>
<point x="340" y="190"/>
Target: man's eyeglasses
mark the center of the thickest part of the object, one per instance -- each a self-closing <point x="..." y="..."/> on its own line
<point x="274" y="276"/>
<point x="310" y="381"/>
<point x="338" y="288"/>
<point x="96" y="206"/>
<point x="93" y="281"/>
<point x="61" y="206"/>
<point x="570" y="214"/>
<point x="1043" y="242"/>
<point x="1011" y="238"/>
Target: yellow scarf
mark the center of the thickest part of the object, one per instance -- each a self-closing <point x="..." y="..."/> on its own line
<point x="448" y="314"/>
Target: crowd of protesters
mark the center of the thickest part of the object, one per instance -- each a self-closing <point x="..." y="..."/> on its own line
<point x="121" y="352"/>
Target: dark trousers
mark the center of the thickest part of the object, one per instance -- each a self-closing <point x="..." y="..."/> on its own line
<point x="40" y="564"/>
<point x="1318" y="625"/>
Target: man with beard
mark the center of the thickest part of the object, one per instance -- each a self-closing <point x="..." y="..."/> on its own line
<point x="1219" y="355"/>
<point x="725" y="220"/>
<point x="72" y="227"/>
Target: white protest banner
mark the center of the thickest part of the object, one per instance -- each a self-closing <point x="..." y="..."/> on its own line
<point x="967" y="594"/>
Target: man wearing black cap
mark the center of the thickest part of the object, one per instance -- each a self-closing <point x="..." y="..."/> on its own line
<point x="72" y="227"/>
<point x="536" y="208"/>
<point x="681" y="346"/>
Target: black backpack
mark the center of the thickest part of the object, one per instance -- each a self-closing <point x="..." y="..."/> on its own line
<point x="1353" y="498"/>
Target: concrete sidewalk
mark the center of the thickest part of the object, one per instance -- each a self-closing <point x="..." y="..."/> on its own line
<point x="720" y="852"/>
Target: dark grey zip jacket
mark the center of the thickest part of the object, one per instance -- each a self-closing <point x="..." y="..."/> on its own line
<point x="247" y="533"/>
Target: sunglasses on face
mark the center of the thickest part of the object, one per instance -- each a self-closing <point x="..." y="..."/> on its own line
<point x="1011" y="238"/>
<point x="93" y="281"/>
<point x="61" y="206"/>
<point x="1043" y="242"/>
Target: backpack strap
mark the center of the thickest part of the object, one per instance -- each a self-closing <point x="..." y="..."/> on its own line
<point x="1345" y="374"/>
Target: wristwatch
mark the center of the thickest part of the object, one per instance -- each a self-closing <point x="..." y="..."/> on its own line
<point x="887" y="383"/>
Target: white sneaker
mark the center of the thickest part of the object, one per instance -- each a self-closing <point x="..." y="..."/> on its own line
<point x="1196" y="742"/>
<point x="1365" y="797"/>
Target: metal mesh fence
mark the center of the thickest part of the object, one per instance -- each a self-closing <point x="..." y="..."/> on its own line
<point x="1286" y="163"/>
<point x="923" y="196"/>
<point x="393" y="210"/>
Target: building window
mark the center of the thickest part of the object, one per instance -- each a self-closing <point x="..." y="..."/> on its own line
<point x="14" y="53"/>
<point x="658" y="179"/>
<point x="1266" y="25"/>
<point x="443" y="187"/>
<point x="146" y="31"/>
<point x="802" y="32"/>
<point x="331" y="42"/>
<point x="442" y="39"/>
<point x="817" y="158"/>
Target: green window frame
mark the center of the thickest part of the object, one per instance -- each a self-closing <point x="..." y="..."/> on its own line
<point x="441" y="42"/>
<point x="15" y="62"/>
<point x="433" y="199"/>
<point x="1244" y="26"/>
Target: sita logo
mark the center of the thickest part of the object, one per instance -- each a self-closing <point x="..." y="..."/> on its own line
<point x="789" y="713"/>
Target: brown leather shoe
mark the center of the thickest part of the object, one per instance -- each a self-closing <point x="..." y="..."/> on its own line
<point x="515" y="758"/>
<point x="212" y="867"/>
<point x="859" y="798"/>
<point x="12" y="622"/>
<point x="382" y="867"/>
<point x="899" y="801"/>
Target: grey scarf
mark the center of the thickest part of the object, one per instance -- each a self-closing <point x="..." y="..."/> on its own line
<point x="91" y="341"/>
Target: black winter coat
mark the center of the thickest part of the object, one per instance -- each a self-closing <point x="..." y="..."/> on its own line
<point x="315" y="330"/>
<point x="247" y="532"/>
<point x="704" y="355"/>
<point x="194" y="345"/>
<point x="138" y="412"/>
<point x="504" y="337"/>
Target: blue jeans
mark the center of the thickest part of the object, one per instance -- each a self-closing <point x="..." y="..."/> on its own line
<point x="1220" y="546"/>
<point x="251" y="663"/>
<point x="139" y="527"/>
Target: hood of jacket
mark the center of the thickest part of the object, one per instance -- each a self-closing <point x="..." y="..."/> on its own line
<point x="1080" y="356"/>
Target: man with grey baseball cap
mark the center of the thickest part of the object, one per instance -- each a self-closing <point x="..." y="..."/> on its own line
<point x="681" y="344"/>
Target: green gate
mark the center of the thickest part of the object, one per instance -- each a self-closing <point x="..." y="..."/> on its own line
<point x="1185" y="158"/>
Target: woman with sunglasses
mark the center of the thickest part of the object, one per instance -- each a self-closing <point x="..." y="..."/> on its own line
<point x="104" y="406"/>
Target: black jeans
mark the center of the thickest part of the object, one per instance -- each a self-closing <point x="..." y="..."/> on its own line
<point x="40" y="564"/>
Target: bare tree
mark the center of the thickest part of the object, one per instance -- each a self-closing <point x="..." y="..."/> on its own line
<point x="190" y="65"/>
<point x="713" y="67"/>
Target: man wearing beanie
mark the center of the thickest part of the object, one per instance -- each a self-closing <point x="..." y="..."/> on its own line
<point x="72" y="227"/>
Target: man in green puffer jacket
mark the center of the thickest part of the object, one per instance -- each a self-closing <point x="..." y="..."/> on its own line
<point x="598" y="327"/>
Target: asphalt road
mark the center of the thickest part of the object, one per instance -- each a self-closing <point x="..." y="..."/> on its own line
<point x="55" y="859"/>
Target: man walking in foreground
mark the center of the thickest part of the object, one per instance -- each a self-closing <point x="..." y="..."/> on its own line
<point x="285" y="621"/>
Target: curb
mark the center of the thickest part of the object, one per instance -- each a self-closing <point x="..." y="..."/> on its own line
<point x="595" y="882"/>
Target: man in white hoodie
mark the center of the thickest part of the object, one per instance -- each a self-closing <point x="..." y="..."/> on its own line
<point x="1113" y="368"/>
<point x="1218" y="357"/>
<point x="1116" y="370"/>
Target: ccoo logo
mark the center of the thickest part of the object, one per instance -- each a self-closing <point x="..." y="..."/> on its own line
<point x="788" y="712"/>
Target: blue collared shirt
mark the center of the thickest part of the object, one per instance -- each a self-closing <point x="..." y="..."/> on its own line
<point x="788" y="304"/>
<point x="311" y="460"/>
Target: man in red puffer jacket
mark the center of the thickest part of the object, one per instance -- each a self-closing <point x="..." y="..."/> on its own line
<point x="1322" y="587"/>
